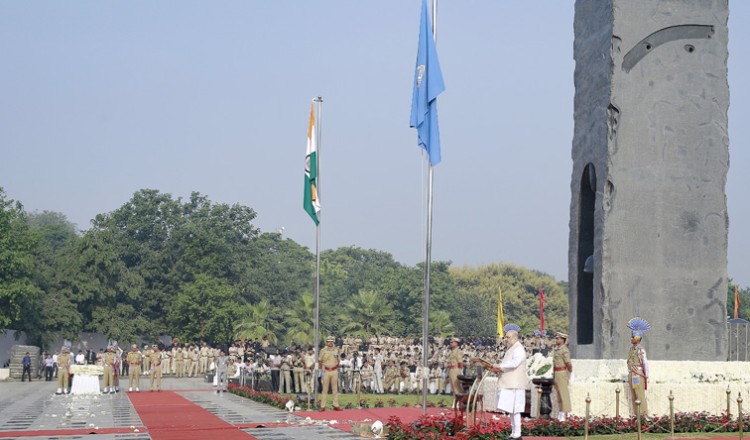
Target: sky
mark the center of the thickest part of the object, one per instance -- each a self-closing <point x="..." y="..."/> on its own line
<point x="101" y="99"/>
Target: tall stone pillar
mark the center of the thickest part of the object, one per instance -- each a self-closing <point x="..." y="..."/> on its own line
<point x="648" y="218"/>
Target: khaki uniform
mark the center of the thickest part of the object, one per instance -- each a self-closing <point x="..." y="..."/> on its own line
<point x="299" y="374"/>
<point x="203" y="359"/>
<point x="166" y="362"/>
<point x="562" y="367"/>
<point x="108" y="380"/>
<point x="285" y="375"/>
<point x="195" y="358"/>
<point x="155" y="360"/>
<point x="391" y="374"/>
<point x="179" y="363"/>
<point x="146" y="360"/>
<point x="134" y="359"/>
<point x="455" y="365"/>
<point x="637" y="377"/>
<point x="329" y="362"/>
<point x="63" y="372"/>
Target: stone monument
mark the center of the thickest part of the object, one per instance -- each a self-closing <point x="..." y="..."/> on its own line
<point x="648" y="219"/>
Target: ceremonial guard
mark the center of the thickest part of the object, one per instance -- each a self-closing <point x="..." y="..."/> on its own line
<point x="146" y="359"/>
<point x="298" y="367"/>
<point x="309" y="386"/>
<point x="188" y="351"/>
<point x="513" y="380"/>
<point x="166" y="361"/>
<point x="638" y="365"/>
<point x="179" y="362"/>
<point x="455" y="366"/>
<point x="108" y="362"/>
<point x="562" y="369"/>
<point x="134" y="359"/>
<point x="285" y="374"/>
<point x="63" y="371"/>
<point x="204" y="359"/>
<point x="155" y="361"/>
<point x="391" y="375"/>
<point x="329" y="364"/>
<point x="195" y="358"/>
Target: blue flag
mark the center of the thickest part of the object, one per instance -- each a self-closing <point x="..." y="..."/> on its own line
<point x="428" y="84"/>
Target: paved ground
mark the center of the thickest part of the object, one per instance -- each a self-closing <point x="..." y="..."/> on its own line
<point x="29" y="409"/>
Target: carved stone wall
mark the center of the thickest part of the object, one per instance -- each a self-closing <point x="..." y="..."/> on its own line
<point x="648" y="223"/>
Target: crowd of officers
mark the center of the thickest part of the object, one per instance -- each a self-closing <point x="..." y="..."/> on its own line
<point x="384" y="364"/>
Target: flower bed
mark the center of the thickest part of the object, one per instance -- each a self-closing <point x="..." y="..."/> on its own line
<point x="277" y="400"/>
<point x="437" y="427"/>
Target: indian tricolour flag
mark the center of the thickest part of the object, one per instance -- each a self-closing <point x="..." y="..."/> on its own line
<point x="311" y="202"/>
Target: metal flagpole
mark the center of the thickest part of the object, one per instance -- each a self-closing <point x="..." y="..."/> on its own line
<point x="318" y="136"/>
<point x="428" y="259"/>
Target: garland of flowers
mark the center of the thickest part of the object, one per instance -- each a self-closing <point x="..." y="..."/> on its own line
<point x="442" y="427"/>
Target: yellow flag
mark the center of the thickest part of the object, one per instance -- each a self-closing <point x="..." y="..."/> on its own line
<point x="500" y="317"/>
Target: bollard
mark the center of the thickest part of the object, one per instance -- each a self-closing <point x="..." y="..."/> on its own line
<point x="617" y="402"/>
<point x="671" y="414"/>
<point x="638" y="418"/>
<point x="729" y="402"/>
<point x="586" y="422"/>
<point x="739" y="412"/>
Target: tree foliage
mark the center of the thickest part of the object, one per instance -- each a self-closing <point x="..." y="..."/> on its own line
<point x="201" y="270"/>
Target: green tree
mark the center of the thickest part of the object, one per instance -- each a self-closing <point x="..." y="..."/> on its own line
<point x="17" y="290"/>
<point x="205" y="310"/>
<point x="55" y="313"/>
<point x="366" y="314"/>
<point x="299" y="320"/>
<point x="258" y="321"/>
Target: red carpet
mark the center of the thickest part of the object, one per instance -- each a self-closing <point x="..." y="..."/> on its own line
<point x="169" y="416"/>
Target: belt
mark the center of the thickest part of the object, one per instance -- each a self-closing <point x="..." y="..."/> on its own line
<point x="455" y="366"/>
<point x="561" y="368"/>
<point x="332" y="369"/>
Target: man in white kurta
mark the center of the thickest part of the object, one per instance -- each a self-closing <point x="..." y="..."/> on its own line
<point x="512" y="382"/>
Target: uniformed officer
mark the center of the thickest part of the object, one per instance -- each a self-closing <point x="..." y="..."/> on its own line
<point x="179" y="362"/>
<point x="63" y="371"/>
<point x="204" y="359"/>
<point x="108" y="362"/>
<point x="455" y="365"/>
<point x="146" y="359"/>
<point x="638" y="365"/>
<point x="329" y="364"/>
<point x="195" y="358"/>
<point x="298" y="367"/>
<point x="562" y="369"/>
<point x="134" y="359"/>
<point x="166" y="361"/>
<point x="155" y="361"/>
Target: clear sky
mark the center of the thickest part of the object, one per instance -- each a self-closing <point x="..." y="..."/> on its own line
<point x="101" y="99"/>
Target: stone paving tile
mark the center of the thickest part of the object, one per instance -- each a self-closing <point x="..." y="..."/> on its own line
<point x="34" y="406"/>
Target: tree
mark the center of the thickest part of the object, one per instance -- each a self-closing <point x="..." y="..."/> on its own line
<point x="366" y="314"/>
<point x="300" y="321"/>
<point x="205" y="310"/>
<point x="17" y="290"/>
<point x="55" y="313"/>
<point x="259" y="320"/>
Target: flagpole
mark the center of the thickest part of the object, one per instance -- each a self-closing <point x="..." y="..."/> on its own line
<point x="428" y="258"/>
<point x="318" y="137"/>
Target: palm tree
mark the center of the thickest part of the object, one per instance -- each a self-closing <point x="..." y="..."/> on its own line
<point x="440" y="322"/>
<point x="300" y="320"/>
<point x="260" y="320"/>
<point x="367" y="313"/>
